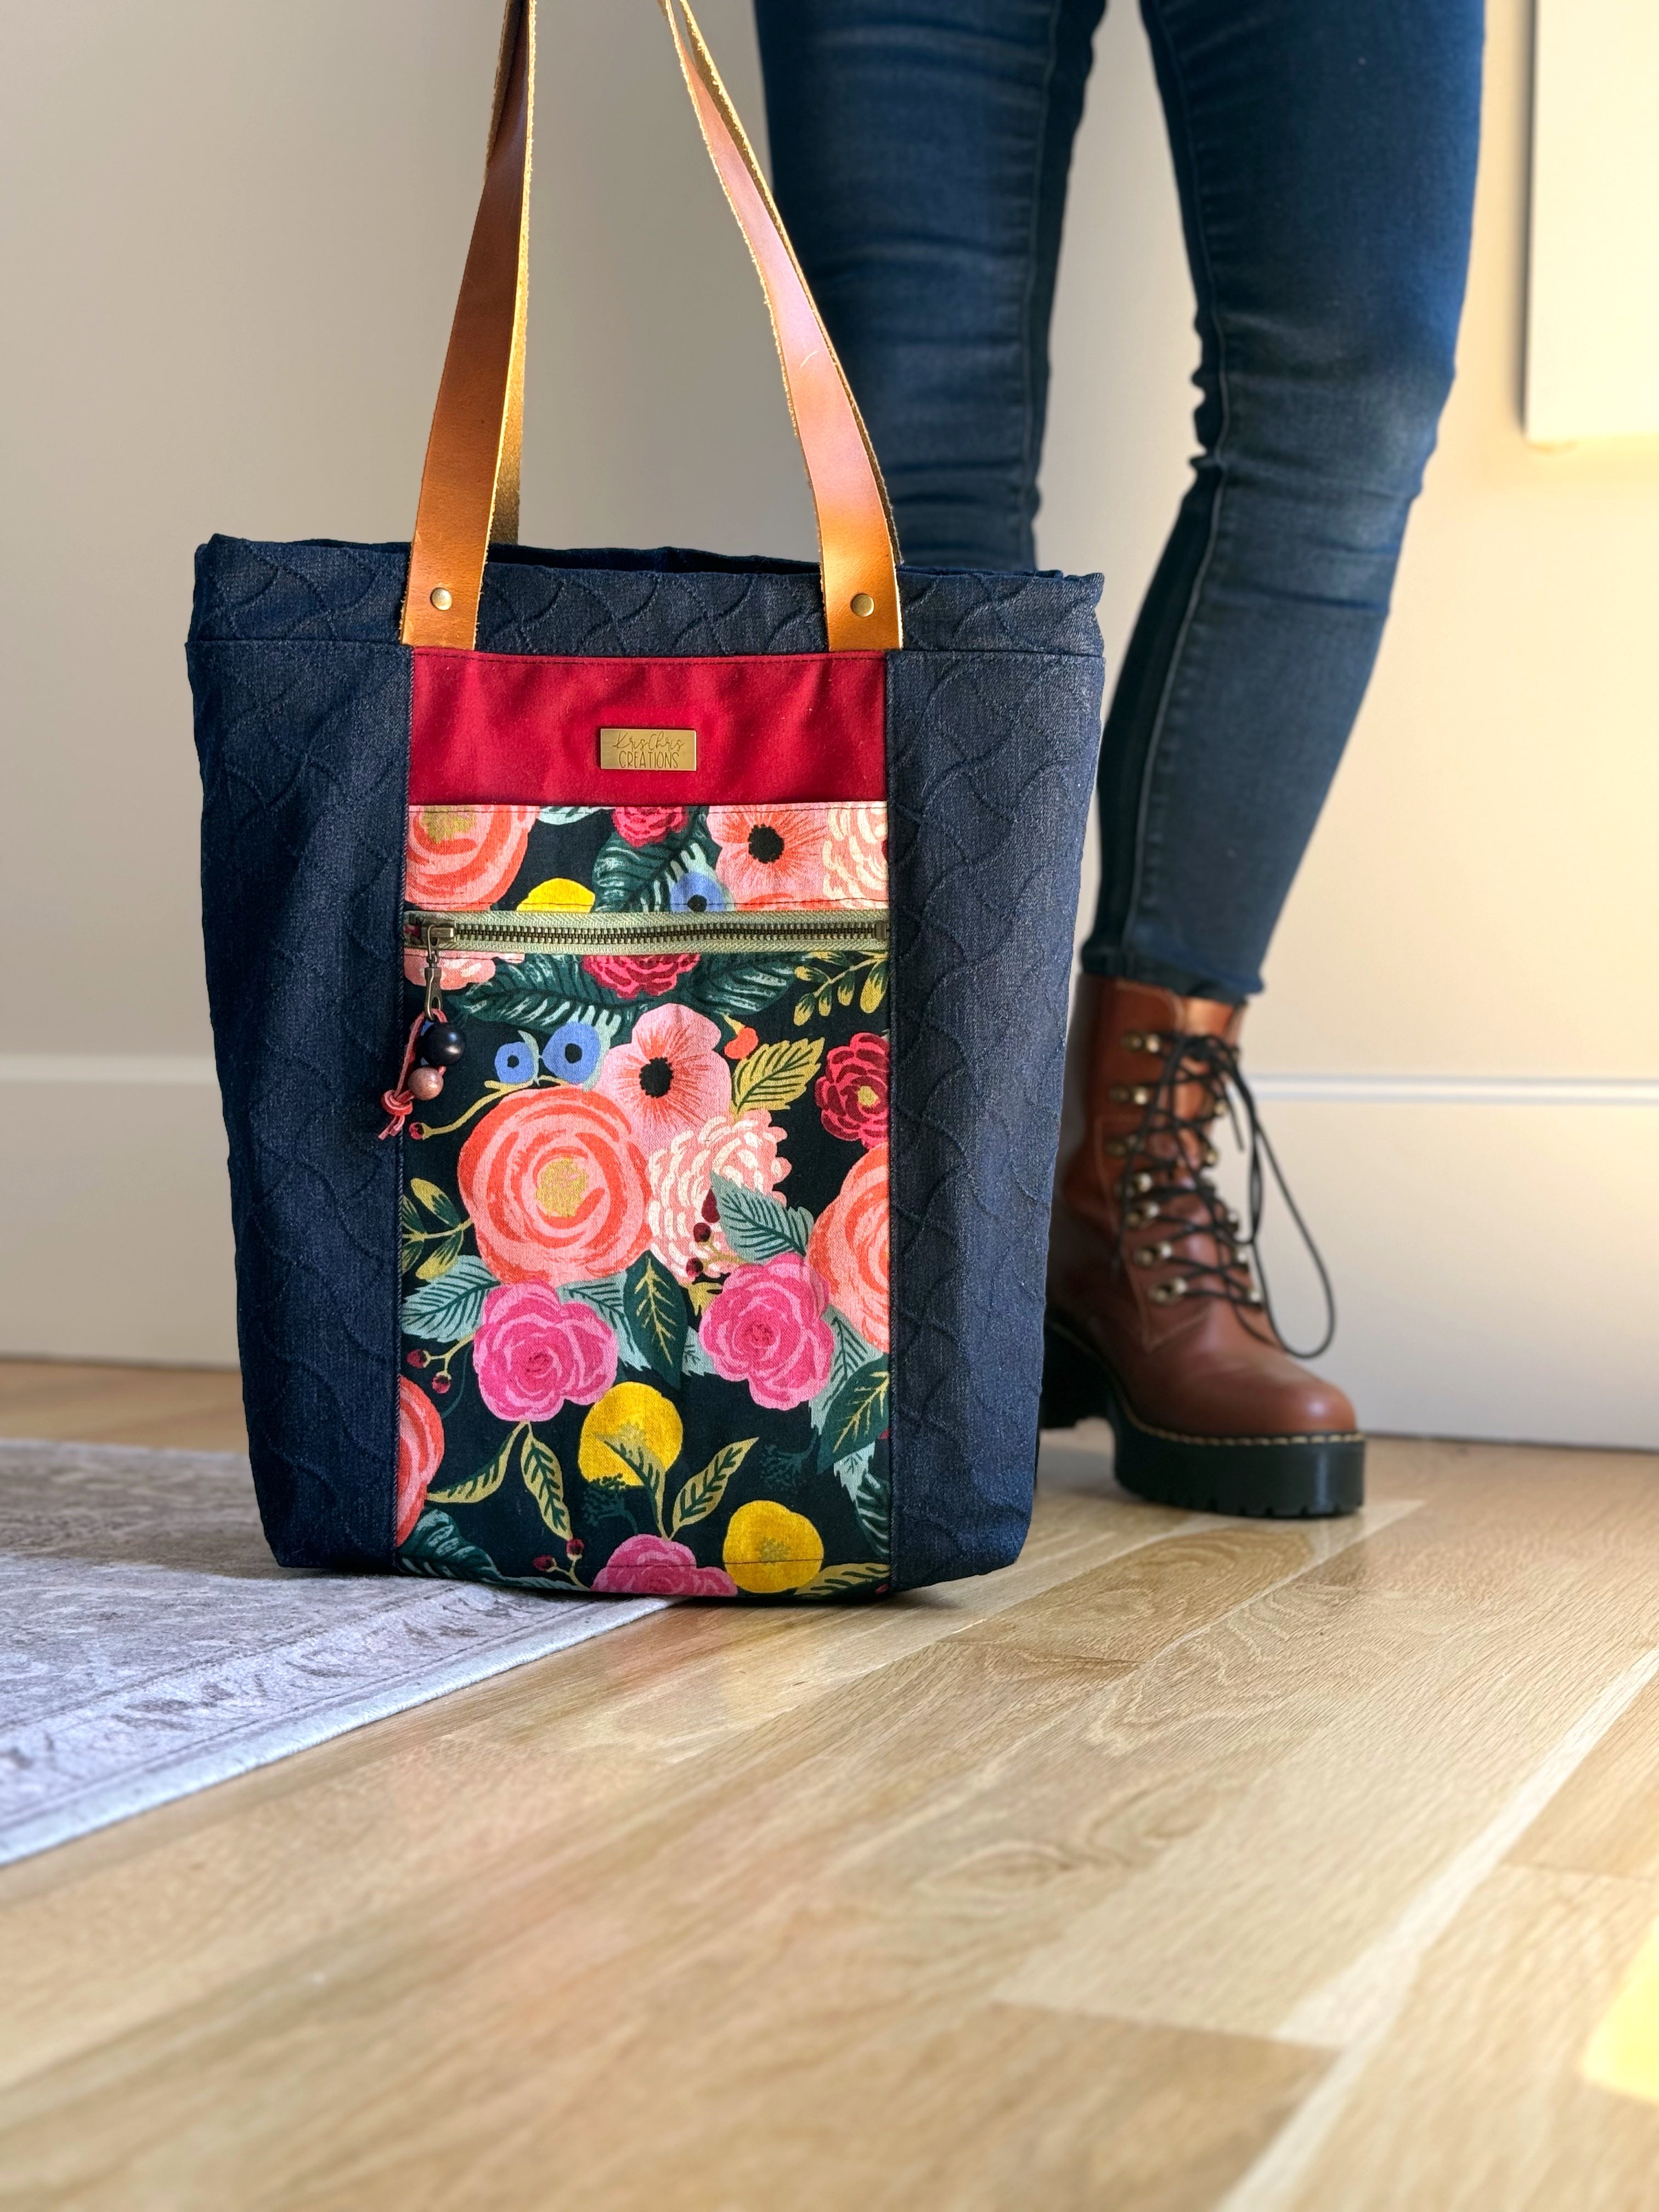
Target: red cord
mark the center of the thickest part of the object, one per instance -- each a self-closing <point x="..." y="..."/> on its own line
<point x="400" y="1103"/>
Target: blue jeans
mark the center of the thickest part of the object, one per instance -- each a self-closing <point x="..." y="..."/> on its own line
<point x="1325" y="154"/>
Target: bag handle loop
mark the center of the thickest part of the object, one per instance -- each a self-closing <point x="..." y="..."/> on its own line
<point x="470" y="485"/>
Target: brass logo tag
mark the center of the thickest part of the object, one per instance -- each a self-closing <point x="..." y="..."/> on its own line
<point x="648" y="749"/>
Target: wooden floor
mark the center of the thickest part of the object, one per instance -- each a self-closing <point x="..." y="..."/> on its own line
<point x="1187" y="1863"/>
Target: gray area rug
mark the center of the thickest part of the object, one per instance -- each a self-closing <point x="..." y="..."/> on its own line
<point x="151" y="1645"/>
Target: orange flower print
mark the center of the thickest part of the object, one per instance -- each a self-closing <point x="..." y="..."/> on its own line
<point x="686" y="1223"/>
<point x="461" y="857"/>
<point x="556" y="1187"/>
<point x="856" y="855"/>
<point x="849" y="1248"/>
<point x="419" y="1453"/>
<point x="671" y="1076"/>
<point x="770" y="856"/>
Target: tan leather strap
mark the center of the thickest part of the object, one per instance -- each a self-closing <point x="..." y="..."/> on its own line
<point x="469" y="486"/>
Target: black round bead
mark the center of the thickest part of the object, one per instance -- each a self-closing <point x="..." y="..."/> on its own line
<point x="441" y="1045"/>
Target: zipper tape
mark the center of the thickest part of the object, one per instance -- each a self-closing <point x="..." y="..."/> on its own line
<point x="743" y="930"/>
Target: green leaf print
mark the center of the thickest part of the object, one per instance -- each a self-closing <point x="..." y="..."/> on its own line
<point x="831" y="979"/>
<point x="543" y="1478"/>
<point x="698" y="1498"/>
<point x="741" y="984"/>
<point x="757" y="1227"/>
<point x="851" y="1353"/>
<point x="856" y="1415"/>
<point x="775" y="1075"/>
<point x="557" y="815"/>
<point x="870" y="1493"/>
<point x="449" y="1307"/>
<point x="655" y="1305"/>
<point x="436" y="1202"/>
<point x="640" y="877"/>
<point x="544" y="990"/>
<point x="609" y="1299"/>
<point x="642" y="1461"/>
<point x="476" y="1487"/>
<point x="441" y="1258"/>
<point x="436" y="1546"/>
<point x="837" y="1581"/>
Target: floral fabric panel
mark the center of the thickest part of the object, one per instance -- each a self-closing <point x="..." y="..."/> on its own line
<point x="675" y="859"/>
<point x="646" y="1224"/>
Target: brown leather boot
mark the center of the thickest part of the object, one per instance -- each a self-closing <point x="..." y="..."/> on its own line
<point x="1154" y="1319"/>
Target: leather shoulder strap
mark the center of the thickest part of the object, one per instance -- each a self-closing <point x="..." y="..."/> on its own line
<point x="469" y="486"/>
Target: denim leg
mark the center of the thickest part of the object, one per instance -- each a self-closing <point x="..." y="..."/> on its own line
<point x="920" y="151"/>
<point x="1325" y="157"/>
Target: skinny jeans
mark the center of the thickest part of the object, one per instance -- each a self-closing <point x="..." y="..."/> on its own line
<point x="1324" y="152"/>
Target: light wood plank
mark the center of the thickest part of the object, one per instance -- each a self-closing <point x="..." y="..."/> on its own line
<point x="723" y="1911"/>
<point x="1475" y="2097"/>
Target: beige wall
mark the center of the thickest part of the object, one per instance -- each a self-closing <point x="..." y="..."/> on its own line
<point x="229" y="314"/>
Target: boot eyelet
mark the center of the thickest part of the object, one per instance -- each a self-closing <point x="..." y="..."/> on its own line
<point x="1119" y="1094"/>
<point x="1145" y="1257"/>
<point x="1132" y="1041"/>
<point x="1164" y="1294"/>
<point x="1117" y="1147"/>
<point x="1140" y="1097"/>
<point x="1141" y="1182"/>
<point x="1151" y="1043"/>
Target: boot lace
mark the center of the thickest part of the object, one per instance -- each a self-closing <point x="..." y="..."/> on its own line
<point x="1165" y="1187"/>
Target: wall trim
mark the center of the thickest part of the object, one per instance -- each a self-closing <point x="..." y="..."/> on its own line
<point x="190" y="1069"/>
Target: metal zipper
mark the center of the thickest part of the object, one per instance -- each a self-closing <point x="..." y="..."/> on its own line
<point x="754" y="929"/>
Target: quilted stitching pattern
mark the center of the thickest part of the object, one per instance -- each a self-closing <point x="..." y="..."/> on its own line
<point x="302" y="723"/>
<point x="304" y="752"/>
<point x="991" y="762"/>
<point x="612" y="603"/>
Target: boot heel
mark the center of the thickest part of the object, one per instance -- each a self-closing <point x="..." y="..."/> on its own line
<point x="1071" y="1383"/>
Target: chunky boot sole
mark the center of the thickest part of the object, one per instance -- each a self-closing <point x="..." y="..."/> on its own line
<point x="1291" y="1477"/>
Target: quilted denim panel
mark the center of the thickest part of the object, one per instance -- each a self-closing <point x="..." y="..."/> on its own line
<point x="609" y="602"/>
<point x="304" y="753"/>
<point x="990" y="767"/>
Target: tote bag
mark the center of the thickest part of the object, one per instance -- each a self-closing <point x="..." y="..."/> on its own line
<point x="638" y="982"/>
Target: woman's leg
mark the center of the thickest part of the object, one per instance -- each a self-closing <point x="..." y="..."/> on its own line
<point x="1326" y="160"/>
<point x="1326" y="163"/>
<point x="919" y="150"/>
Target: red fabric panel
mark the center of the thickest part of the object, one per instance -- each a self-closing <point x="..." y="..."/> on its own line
<point x="507" y="729"/>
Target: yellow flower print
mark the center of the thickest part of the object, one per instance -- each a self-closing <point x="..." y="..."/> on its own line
<point x="558" y="895"/>
<point x="634" y="1413"/>
<point x="769" y="1548"/>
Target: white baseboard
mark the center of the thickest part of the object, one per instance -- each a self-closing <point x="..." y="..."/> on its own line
<point x="1497" y="1271"/>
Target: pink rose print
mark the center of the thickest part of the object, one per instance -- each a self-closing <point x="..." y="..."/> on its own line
<point x="767" y="1329"/>
<point x="652" y="1566"/>
<point x="671" y="1077"/>
<point x="533" y="1353"/>
<point x="648" y="825"/>
<point x="851" y="1092"/>
<point x="420" y="1452"/>
<point x="770" y="856"/>
<point x="684" y="1219"/>
<point x="638" y="974"/>
<point x="856" y="855"/>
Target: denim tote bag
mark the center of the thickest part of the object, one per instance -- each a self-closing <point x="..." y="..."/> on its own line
<point x="638" y="983"/>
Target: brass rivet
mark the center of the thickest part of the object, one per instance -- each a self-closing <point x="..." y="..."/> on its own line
<point x="443" y="599"/>
<point x="862" y="603"/>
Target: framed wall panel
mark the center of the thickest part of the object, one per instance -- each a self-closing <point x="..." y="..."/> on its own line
<point x="1593" y="310"/>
